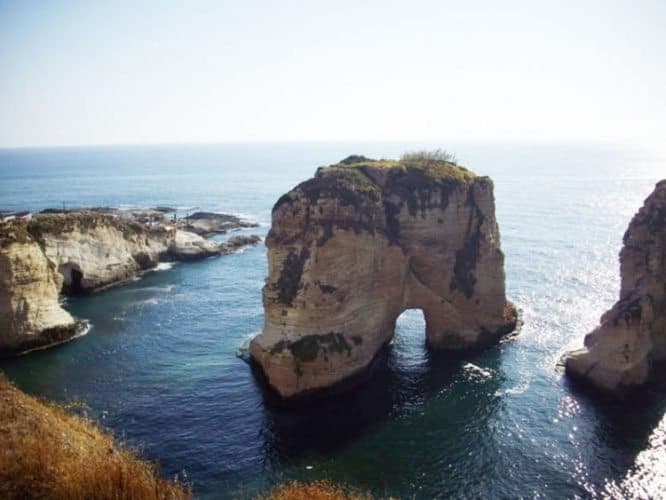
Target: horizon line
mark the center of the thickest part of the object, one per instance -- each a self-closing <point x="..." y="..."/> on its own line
<point x="561" y="141"/>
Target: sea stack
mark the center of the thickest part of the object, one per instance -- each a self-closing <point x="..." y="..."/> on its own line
<point x="626" y="348"/>
<point x="352" y="248"/>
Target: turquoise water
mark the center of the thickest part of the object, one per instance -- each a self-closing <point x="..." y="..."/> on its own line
<point x="159" y="365"/>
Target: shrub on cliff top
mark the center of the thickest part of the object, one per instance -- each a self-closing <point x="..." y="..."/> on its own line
<point x="46" y="452"/>
<point x="424" y="156"/>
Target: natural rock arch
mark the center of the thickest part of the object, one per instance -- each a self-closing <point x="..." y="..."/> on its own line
<point x="363" y="241"/>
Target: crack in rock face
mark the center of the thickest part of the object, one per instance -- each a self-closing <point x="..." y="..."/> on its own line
<point x="352" y="248"/>
<point x="626" y="349"/>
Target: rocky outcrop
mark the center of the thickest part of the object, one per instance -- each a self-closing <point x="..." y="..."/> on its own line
<point x="92" y="250"/>
<point x="624" y="350"/>
<point x="30" y="314"/>
<point x="78" y="253"/>
<point x="363" y="241"/>
<point x="188" y="246"/>
<point x="209" y="223"/>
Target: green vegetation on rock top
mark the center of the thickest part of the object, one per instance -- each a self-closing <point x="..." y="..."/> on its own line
<point x="438" y="166"/>
<point x="19" y="231"/>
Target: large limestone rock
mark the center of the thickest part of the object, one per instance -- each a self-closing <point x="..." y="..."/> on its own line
<point x="30" y="314"/>
<point x="93" y="250"/>
<point x="363" y="241"/>
<point x="75" y="253"/>
<point x="188" y="246"/>
<point x="631" y="340"/>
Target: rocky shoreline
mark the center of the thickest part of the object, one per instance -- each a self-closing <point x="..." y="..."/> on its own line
<point x="85" y="250"/>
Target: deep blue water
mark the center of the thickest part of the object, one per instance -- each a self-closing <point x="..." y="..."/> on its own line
<point x="159" y="365"/>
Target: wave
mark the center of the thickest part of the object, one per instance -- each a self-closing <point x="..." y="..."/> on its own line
<point x="84" y="331"/>
<point x="243" y="351"/>
<point x="476" y="372"/>
<point x="163" y="266"/>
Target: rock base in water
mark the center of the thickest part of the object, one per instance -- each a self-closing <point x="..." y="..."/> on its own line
<point x="624" y="350"/>
<point x="363" y="241"/>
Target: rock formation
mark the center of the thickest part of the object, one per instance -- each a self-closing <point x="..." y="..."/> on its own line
<point x="76" y="253"/>
<point x="631" y="340"/>
<point x="30" y="314"/>
<point x="188" y="246"/>
<point x="93" y="250"/>
<point x="209" y="223"/>
<point x="363" y="241"/>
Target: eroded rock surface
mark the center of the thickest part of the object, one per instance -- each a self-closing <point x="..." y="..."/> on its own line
<point x="209" y="223"/>
<point x="363" y="241"/>
<point x="79" y="252"/>
<point x="30" y="314"/>
<point x="624" y="349"/>
<point x="93" y="250"/>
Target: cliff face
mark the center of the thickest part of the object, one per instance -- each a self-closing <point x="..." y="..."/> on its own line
<point x="622" y="351"/>
<point x="30" y="314"/>
<point x="92" y="250"/>
<point x="76" y="253"/>
<point x="363" y="241"/>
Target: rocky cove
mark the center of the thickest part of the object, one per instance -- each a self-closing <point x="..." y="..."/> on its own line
<point x="83" y="251"/>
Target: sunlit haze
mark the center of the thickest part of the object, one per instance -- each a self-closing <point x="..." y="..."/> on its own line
<point x="213" y="71"/>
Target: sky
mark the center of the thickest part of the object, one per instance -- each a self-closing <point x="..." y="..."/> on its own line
<point x="98" y="72"/>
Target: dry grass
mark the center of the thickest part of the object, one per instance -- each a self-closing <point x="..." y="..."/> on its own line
<point x="45" y="452"/>
<point x="315" y="490"/>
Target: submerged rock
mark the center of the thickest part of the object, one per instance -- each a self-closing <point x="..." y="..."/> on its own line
<point x="623" y="351"/>
<point x="363" y="241"/>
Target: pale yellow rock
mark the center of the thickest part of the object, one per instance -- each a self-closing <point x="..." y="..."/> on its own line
<point x="353" y="248"/>
<point x="92" y="251"/>
<point x="30" y="314"/>
<point x="623" y="350"/>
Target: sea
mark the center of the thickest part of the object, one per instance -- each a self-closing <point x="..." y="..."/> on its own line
<point x="159" y="366"/>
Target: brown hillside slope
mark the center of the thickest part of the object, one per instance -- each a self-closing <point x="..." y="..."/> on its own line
<point x="45" y="452"/>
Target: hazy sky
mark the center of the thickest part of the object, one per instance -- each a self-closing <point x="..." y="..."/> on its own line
<point x="97" y="72"/>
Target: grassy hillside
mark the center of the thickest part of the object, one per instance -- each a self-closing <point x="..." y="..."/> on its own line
<point x="46" y="452"/>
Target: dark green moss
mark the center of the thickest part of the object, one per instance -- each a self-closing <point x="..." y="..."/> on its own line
<point x="307" y="348"/>
<point x="14" y="232"/>
<point x="279" y="347"/>
<point x="464" y="278"/>
<point x="463" y="269"/>
<point x="290" y="278"/>
<point x="416" y="187"/>
<point x="351" y="159"/>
